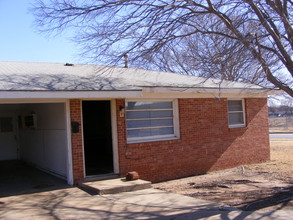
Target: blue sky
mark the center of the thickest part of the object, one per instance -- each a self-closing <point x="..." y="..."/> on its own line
<point x="20" y="41"/>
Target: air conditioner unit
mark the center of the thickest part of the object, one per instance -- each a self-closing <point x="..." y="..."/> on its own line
<point x="28" y="121"/>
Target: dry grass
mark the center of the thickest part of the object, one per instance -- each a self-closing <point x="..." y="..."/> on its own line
<point x="282" y="130"/>
<point x="281" y="163"/>
<point x="267" y="186"/>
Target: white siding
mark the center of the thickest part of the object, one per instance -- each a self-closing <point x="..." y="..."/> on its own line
<point x="45" y="146"/>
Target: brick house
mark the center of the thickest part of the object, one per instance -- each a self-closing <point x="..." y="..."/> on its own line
<point x="79" y="121"/>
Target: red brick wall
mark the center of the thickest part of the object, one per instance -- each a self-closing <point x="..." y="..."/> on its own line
<point x="76" y="139"/>
<point x="206" y="143"/>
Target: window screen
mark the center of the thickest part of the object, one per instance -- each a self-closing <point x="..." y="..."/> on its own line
<point x="149" y="119"/>
<point x="235" y="113"/>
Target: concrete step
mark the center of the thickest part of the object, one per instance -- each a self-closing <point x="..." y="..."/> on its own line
<point x="112" y="186"/>
<point x="101" y="177"/>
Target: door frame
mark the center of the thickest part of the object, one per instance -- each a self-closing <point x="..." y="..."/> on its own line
<point x="114" y="136"/>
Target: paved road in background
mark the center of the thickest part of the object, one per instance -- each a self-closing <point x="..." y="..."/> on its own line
<point x="281" y="136"/>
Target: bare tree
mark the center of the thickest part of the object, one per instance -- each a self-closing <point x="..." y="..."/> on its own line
<point x="207" y="56"/>
<point x="110" y="28"/>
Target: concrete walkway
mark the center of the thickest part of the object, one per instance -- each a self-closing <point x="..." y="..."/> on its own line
<point x="73" y="203"/>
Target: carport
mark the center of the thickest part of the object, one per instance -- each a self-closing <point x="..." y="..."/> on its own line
<point x="35" y="134"/>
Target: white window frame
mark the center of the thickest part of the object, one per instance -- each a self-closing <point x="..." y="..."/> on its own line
<point x="174" y="136"/>
<point x="243" y="114"/>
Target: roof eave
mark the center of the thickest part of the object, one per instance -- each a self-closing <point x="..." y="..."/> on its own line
<point x="145" y="92"/>
<point x="68" y="94"/>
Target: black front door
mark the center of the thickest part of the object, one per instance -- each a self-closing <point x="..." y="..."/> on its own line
<point x="97" y="134"/>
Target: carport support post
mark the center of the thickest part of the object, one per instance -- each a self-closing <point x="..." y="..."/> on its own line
<point x="76" y="140"/>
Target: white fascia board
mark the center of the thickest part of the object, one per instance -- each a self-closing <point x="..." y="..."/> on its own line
<point x="147" y="92"/>
<point x="30" y="100"/>
<point x="68" y="94"/>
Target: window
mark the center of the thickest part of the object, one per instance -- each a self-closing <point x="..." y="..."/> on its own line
<point x="6" y="124"/>
<point x="236" y="113"/>
<point x="28" y="121"/>
<point x="151" y="120"/>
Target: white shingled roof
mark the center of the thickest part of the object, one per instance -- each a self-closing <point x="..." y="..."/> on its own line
<point x="26" y="76"/>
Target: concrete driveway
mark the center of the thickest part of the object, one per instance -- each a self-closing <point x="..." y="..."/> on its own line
<point x="18" y="178"/>
<point x="73" y="203"/>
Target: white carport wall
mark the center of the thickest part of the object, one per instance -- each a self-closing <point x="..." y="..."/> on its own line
<point x="48" y="145"/>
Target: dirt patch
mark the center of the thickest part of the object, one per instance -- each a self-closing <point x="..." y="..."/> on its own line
<point x="266" y="186"/>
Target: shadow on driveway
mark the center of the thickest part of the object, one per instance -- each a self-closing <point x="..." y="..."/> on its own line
<point x="74" y="203"/>
<point x="18" y="178"/>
